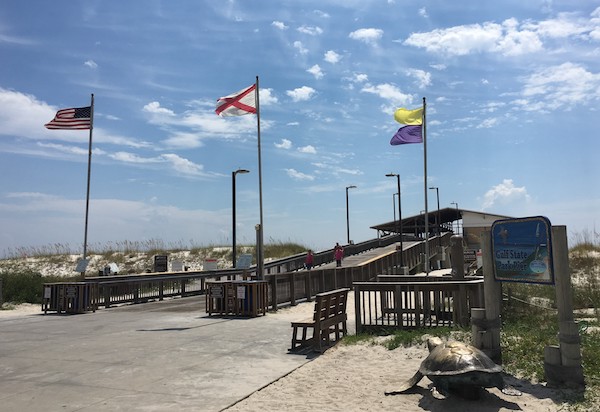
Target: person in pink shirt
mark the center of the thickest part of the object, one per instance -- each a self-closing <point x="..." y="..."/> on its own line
<point x="308" y="263"/>
<point x="338" y="254"/>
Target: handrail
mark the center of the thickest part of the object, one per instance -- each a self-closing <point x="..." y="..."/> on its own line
<point x="416" y="304"/>
<point x="285" y="286"/>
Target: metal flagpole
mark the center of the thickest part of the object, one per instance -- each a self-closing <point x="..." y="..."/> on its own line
<point x="87" y="198"/>
<point x="425" y="181"/>
<point x="260" y="254"/>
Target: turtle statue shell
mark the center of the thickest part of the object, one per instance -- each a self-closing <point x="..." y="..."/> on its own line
<point x="456" y="366"/>
<point x="455" y="358"/>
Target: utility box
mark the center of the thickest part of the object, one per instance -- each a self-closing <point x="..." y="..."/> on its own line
<point x="70" y="297"/>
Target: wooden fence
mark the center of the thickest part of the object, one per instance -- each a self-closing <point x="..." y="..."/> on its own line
<point x="284" y="286"/>
<point x="413" y="302"/>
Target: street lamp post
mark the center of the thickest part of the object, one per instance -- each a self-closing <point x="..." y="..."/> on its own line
<point x="348" y="213"/>
<point x="233" y="174"/>
<point x="394" y="202"/>
<point x="457" y="216"/>
<point x="399" y="216"/>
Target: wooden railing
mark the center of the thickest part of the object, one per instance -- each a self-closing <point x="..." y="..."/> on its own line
<point x="285" y="287"/>
<point x="414" y="302"/>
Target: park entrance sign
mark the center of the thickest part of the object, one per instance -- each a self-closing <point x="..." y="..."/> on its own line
<point x="522" y="250"/>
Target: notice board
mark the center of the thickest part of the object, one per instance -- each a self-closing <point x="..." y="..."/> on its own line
<point x="522" y="250"/>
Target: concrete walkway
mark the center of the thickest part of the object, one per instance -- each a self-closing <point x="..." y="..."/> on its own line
<point x="155" y="356"/>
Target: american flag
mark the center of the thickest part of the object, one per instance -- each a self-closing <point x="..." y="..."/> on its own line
<point x="75" y="118"/>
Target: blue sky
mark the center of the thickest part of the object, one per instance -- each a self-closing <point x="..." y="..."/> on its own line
<point x="512" y="92"/>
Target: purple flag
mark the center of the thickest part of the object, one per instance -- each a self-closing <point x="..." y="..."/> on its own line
<point x="407" y="134"/>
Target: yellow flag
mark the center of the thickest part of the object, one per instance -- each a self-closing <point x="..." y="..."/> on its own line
<point x="410" y="117"/>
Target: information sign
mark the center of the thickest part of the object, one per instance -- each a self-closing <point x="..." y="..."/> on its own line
<point x="82" y="265"/>
<point x="522" y="250"/>
<point x="244" y="261"/>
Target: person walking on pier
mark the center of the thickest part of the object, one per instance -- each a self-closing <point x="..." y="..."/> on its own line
<point x="338" y="254"/>
<point x="308" y="263"/>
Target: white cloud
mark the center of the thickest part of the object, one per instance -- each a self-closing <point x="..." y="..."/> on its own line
<point x="322" y="14"/>
<point x="562" y="86"/>
<point x="307" y="149"/>
<point x="595" y="23"/>
<point x="296" y="175"/>
<point x="301" y="94"/>
<point x="491" y="107"/>
<point x="504" y="193"/>
<point x="564" y="25"/>
<point x="22" y="115"/>
<point x="316" y="71"/>
<point x="301" y="49"/>
<point x="487" y="123"/>
<point x="285" y="144"/>
<point x="423" y="78"/>
<point x="177" y="163"/>
<point x="509" y="38"/>
<point x="187" y="129"/>
<point x="439" y="66"/>
<point x="155" y="108"/>
<point x="4" y="38"/>
<point x="360" y="78"/>
<point x="332" y="57"/>
<point x="91" y="64"/>
<point x="279" y="24"/>
<point x="75" y="150"/>
<point x="310" y="30"/>
<point x="478" y="38"/>
<point x="423" y="12"/>
<point x="389" y="92"/>
<point x="266" y="97"/>
<point x="128" y="157"/>
<point x="369" y="36"/>
<point x="182" y="165"/>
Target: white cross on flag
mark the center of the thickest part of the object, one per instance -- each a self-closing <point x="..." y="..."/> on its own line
<point x="238" y="103"/>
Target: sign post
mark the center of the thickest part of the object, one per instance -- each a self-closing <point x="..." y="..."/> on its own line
<point x="530" y="250"/>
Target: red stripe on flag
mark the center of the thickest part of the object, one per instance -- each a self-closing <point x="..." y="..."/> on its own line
<point x="234" y="101"/>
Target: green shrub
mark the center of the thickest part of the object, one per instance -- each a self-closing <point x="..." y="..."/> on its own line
<point x="22" y="287"/>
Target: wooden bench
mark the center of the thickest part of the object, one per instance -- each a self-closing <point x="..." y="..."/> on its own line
<point x="328" y="319"/>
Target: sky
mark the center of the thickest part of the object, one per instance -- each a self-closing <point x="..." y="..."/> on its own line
<point x="511" y="89"/>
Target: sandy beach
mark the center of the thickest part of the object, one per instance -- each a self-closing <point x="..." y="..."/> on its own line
<point x="356" y="377"/>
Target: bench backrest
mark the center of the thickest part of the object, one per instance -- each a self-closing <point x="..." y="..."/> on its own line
<point x="330" y="304"/>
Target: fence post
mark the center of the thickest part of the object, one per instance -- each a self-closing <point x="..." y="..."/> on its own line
<point x="357" y="306"/>
<point x="307" y="286"/>
<point x="274" y="291"/>
<point x="293" y="289"/>
<point x="106" y="290"/>
<point x="492" y="295"/>
<point x="1" y="299"/>
<point x="562" y="363"/>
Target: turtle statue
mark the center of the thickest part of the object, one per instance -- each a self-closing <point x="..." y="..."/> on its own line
<point x="458" y="368"/>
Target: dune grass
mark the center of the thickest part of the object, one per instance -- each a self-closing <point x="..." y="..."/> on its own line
<point x="21" y="284"/>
